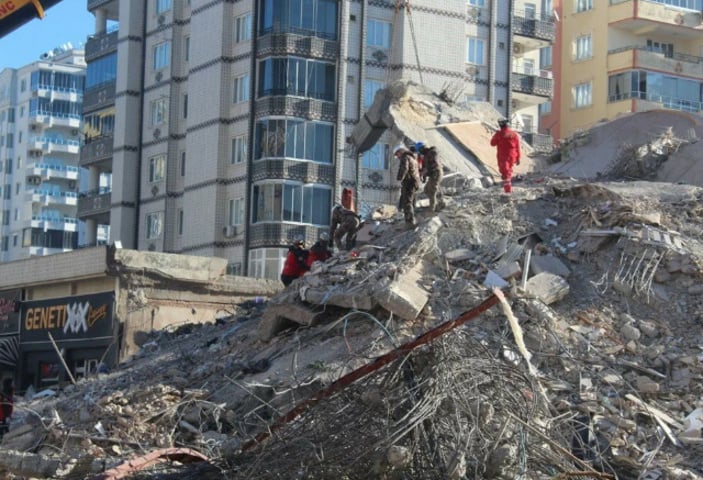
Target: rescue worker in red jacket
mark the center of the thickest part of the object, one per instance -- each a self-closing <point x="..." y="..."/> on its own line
<point x="6" y="405"/>
<point x="320" y="251"/>
<point x="296" y="262"/>
<point x="508" y="153"/>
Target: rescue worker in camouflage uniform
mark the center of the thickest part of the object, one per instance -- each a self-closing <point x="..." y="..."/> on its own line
<point x="409" y="178"/>
<point x="344" y="222"/>
<point x="432" y="174"/>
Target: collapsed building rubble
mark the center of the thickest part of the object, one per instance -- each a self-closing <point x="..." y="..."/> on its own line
<point x="603" y="284"/>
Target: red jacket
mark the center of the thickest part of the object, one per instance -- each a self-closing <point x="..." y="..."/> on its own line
<point x="508" y="143"/>
<point x="318" y="253"/>
<point x="295" y="264"/>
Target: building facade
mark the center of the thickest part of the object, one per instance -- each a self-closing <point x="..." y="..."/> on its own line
<point x="223" y="125"/>
<point x="40" y="136"/>
<point x="628" y="56"/>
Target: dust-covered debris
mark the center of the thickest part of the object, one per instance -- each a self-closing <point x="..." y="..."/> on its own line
<point x="614" y="345"/>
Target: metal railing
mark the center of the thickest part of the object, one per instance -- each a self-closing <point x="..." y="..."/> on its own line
<point x="681" y="57"/>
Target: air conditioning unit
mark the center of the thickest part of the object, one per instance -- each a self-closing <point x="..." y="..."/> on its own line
<point x="33" y="127"/>
<point x="517" y="49"/>
<point x="34" y="180"/>
<point x="473" y="12"/>
<point x="74" y="132"/>
<point x="230" y="231"/>
<point x="472" y="70"/>
<point x="545" y="73"/>
<point x="72" y="185"/>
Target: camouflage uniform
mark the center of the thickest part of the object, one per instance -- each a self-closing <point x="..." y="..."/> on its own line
<point x="432" y="171"/>
<point x="409" y="178"/>
<point x="344" y="222"/>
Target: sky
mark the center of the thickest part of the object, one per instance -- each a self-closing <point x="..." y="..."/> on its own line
<point x="68" y="21"/>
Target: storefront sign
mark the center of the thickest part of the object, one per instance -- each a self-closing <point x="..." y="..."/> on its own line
<point x="9" y="318"/>
<point x="68" y="318"/>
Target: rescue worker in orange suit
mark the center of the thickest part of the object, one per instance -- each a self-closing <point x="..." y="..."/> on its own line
<point x="296" y="262"/>
<point x="344" y="222"/>
<point x="409" y="178"/>
<point x="6" y="405"/>
<point x="320" y="251"/>
<point x="508" y="153"/>
<point x="432" y="173"/>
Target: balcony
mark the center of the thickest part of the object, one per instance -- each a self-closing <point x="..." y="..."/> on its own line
<point x="644" y="101"/>
<point x="95" y="204"/>
<point x="44" y="251"/>
<point x="308" y="172"/>
<point x="294" y="44"/>
<point x="46" y="222"/>
<point x="533" y="33"/>
<point x="99" y="97"/>
<point x="275" y="234"/>
<point x="100" y="45"/>
<point x="52" y="197"/>
<point x="52" y="119"/>
<point x="48" y="171"/>
<point x="53" y="144"/>
<point x="638" y="57"/>
<point x="96" y="150"/>
<point x="302" y="107"/>
<point x="654" y="19"/>
<point x="531" y="89"/>
<point x="58" y="93"/>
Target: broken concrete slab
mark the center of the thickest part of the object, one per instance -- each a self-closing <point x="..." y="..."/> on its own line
<point x="509" y="270"/>
<point x="548" y="287"/>
<point x="29" y="465"/>
<point x="550" y="264"/>
<point x="459" y="255"/>
<point x="278" y="317"/>
<point x="404" y="296"/>
<point x="356" y="296"/>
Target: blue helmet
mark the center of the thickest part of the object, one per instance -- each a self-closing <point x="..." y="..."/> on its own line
<point x="418" y="146"/>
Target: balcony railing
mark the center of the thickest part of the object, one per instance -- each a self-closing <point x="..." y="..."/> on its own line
<point x="538" y="141"/>
<point x="99" y="45"/>
<point x="99" y="97"/>
<point x="542" y="29"/>
<point x="292" y="43"/>
<point x="96" y="149"/>
<point x="675" y="62"/>
<point x="302" y="107"/>
<point x="629" y="14"/>
<point x="49" y="144"/>
<point x="94" y="202"/>
<point x="532" y="84"/>
<point x="46" y="197"/>
<point x="53" y="170"/>
<point x="309" y="172"/>
<point x="660" y="101"/>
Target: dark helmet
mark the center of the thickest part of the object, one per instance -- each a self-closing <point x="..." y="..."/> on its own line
<point x="299" y="241"/>
<point x="502" y="123"/>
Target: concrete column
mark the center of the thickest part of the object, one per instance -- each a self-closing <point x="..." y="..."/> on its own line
<point x="100" y="21"/>
<point x="91" y="232"/>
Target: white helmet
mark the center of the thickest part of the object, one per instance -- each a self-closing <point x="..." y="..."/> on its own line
<point x="399" y="148"/>
<point x="325" y="237"/>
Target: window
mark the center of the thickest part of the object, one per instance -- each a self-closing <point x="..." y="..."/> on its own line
<point x="157" y="167"/>
<point x="18" y="187"/>
<point x="234" y="268"/>
<point x="15" y="239"/>
<point x="378" y="34"/>
<point x="180" y="221"/>
<point x="582" y="95"/>
<point x="376" y="158"/>
<point x="9" y="141"/>
<point x="545" y="57"/>
<point x="22" y="111"/>
<point x="154" y="225"/>
<point x="696" y="5"/>
<point x="298" y="139"/>
<point x="528" y="66"/>
<point x="242" y="28"/>
<point x="306" y="17"/>
<point x="297" y="76"/>
<point x="23" y="85"/>
<point x="19" y="137"/>
<point x="660" y="47"/>
<point x="583" y="5"/>
<point x="5" y="241"/>
<point x="292" y="202"/>
<point x="183" y="163"/>
<point x="370" y="89"/>
<point x="185" y="106"/>
<point x="477" y="3"/>
<point x="474" y="51"/>
<point x="101" y="71"/>
<point x="545" y="108"/>
<point x="158" y="111"/>
<point x="163" y="6"/>
<point x="266" y="262"/>
<point x="241" y="88"/>
<point x="162" y="55"/>
<point x="16" y="213"/>
<point x="186" y="49"/>
<point x="583" y="47"/>
<point x="239" y="149"/>
<point x="235" y="211"/>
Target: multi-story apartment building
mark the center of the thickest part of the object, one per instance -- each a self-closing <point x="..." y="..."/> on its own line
<point x="224" y="125"/>
<point x="40" y="134"/>
<point x="627" y="56"/>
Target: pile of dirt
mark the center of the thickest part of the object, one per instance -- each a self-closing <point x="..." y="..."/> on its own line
<point x="551" y="334"/>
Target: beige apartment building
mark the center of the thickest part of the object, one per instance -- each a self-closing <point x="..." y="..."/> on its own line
<point x="622" y="56"/>
<point x="224" y="124"/>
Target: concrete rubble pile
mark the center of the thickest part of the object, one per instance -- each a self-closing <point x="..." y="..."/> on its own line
<point x="592" y="366"/>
